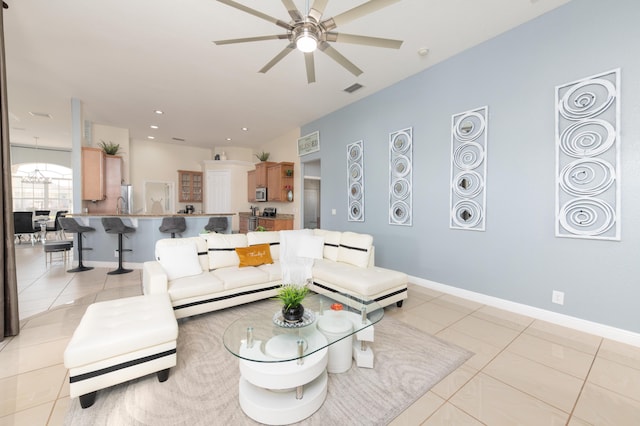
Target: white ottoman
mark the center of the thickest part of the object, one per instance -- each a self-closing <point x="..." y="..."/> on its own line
<point x="120" y="340"/>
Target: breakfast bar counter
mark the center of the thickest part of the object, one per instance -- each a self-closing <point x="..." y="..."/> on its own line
<point x="141" y="243"/>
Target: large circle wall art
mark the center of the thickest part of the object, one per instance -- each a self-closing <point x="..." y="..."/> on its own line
<point x="401" y="177"/>
<point x="355" y="182"/>
<point x="468" y="169"/>
<point x="588" y="158"/>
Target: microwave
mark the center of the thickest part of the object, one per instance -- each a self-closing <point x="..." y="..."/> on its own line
<point x="261" y="194"/>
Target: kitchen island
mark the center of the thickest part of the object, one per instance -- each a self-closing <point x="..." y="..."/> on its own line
<point x="141" y="243"/>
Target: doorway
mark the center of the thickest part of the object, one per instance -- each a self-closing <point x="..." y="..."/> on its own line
<point x="311" y="195"/>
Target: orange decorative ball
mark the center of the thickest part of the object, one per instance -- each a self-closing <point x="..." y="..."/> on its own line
<point x="336" y="306"/>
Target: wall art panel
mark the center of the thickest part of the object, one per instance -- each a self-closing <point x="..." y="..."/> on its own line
<point x="588" y="158"/>
<point x="401" y="177"/>
<point x="469" y="169"/>
<point x="355" y="181"/>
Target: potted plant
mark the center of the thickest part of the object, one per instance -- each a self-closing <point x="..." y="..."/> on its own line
<point x="263" y="156"/>
<point x="291" y="296"/>
<point x="109" y="148"/>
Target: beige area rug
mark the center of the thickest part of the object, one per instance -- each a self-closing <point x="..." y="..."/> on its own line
<point x="203" y="387"/>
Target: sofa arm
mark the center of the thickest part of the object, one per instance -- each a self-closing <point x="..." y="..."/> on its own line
<point x="154" y="278"/>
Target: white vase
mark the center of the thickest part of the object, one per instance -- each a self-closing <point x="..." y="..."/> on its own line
<point x="223" y="156"/>
<point x="290" y="195"/>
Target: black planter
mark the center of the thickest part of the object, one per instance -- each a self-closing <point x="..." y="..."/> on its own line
<point x="293" y="314"/>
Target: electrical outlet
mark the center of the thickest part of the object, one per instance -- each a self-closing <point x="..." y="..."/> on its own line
<point x="333" y="212"/>
<point x="557" y="297"/>
<point x="115" y="253"/>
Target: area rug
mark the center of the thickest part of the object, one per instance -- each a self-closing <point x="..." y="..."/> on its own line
<point x="203" y="387"/>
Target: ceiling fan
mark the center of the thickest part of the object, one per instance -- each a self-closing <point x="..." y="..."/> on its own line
<point x="310" y="32"/>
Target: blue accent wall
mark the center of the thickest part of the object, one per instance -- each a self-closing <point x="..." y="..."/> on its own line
<point x="517" y="258"/>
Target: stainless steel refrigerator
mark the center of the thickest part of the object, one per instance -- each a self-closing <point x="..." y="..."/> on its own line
<point x="126" y="203"/>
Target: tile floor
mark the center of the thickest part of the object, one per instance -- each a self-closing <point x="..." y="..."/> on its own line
<point x="524" y="372"/>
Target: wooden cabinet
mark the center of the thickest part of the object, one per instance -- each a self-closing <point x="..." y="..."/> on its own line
<point x="261" y="173"/>
<point x="93" y="174"/>
<point x="280" y="181"/>
<point x="189" y="186"/>
<point x="275" y="224"/>
<point x="251" y="186"/>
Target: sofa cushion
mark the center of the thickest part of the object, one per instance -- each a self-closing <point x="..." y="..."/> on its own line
<point x="270" y="237"/>
<point x="222" y="249"/>
<point x="195" y="286"/>
<point x="290" y="241"/>
<point x="361" y="281"/>
<point x="273" y="270"/>
<point x="178" y="259"/>
<point x="355" y="249"/>
<point x="236" y="277"/>
<point x="331" y="243"/>
<point x="257" y="255"/>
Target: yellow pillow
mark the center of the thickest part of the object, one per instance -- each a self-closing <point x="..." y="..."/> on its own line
<point x="257" y="255"/>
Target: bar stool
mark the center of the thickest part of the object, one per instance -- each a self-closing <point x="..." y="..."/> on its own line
<point x="174" y="225"/>
<point x="217" y="224"/>
<point x="69" y="224"/>
<point x="114" y="225"/>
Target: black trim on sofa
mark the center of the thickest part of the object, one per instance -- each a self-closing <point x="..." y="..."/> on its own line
<point x="228" y="296"/>
<point x="366" y="302"/>
<point x="222" y="249"/>
<point x="133" y="362"/>
<point x="354" y="248"/>
<point x="202" y="253"/>
<point x="332" y="245"/>
<point x="276" y="243"/>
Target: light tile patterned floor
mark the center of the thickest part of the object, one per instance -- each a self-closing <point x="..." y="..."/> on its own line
<point x="524" y="371"/>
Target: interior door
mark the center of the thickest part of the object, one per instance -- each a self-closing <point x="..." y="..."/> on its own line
<point x="311" y="218"/>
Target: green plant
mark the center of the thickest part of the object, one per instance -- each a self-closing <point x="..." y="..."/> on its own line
<point x="263" y="156"/>
<point x="291" y="295"/>
<point x="109" y="148"/>
<point x="261" y="228"/>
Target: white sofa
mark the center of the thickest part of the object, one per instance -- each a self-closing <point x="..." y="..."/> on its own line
<point x="203" y="274"/>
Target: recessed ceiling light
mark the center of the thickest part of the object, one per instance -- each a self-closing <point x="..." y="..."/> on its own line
<point x="228" y="139"/>
<point x="150" y="137"/>
<point x="153" y="126"/>
<point x="158" y="112"/>
<point x="244" y="129"/>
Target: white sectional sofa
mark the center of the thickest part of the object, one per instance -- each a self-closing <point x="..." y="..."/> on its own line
<point x="207" y="273"/>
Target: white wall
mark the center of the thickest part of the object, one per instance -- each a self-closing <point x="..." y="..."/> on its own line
<point x="157" y="161"/>
<point x="518" y="258"/>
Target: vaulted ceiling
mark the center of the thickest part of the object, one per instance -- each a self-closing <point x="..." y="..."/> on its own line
<point x="124" y="59"/>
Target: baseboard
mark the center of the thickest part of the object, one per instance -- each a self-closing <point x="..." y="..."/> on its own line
<point x="598" y="329"/>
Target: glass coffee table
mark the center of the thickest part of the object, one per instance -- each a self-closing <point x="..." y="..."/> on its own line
<point x="283" y="366"/>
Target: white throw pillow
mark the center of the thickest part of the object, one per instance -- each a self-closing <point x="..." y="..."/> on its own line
<point x="331" y="242"/>
<point x="290" y="241"/>
<point x="179" y="260"/>
<point x="311" y="246"/>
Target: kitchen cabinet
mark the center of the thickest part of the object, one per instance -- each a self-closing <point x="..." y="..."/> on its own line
<point x="275" y="224"/>
<point x="189" y="186"/>
<point x="93" y="173"/>
<point x="261" y="173"/>
<point x="280" y="181"/>
<point x="251" y="186"/>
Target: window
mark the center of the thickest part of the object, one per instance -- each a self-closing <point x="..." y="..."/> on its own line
<point x="54" y="196"/>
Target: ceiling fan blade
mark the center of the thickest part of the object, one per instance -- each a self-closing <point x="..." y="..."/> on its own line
<point x="256" y="13"/>
<point x="317" y="9"/>
<point x="293" y="10"/>
<point x="278" y="57"/>
<point x="355" y="13"/>
<point x="310" y="65"/>
<point x="337" y="56"/>
<point x="365" y="40"/>
<point x="250" y="39"/>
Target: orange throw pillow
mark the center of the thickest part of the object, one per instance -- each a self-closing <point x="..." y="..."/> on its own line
<point x="257" y="255"/>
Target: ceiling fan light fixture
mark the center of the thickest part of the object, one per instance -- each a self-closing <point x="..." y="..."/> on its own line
<point x="306" y="42"/>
